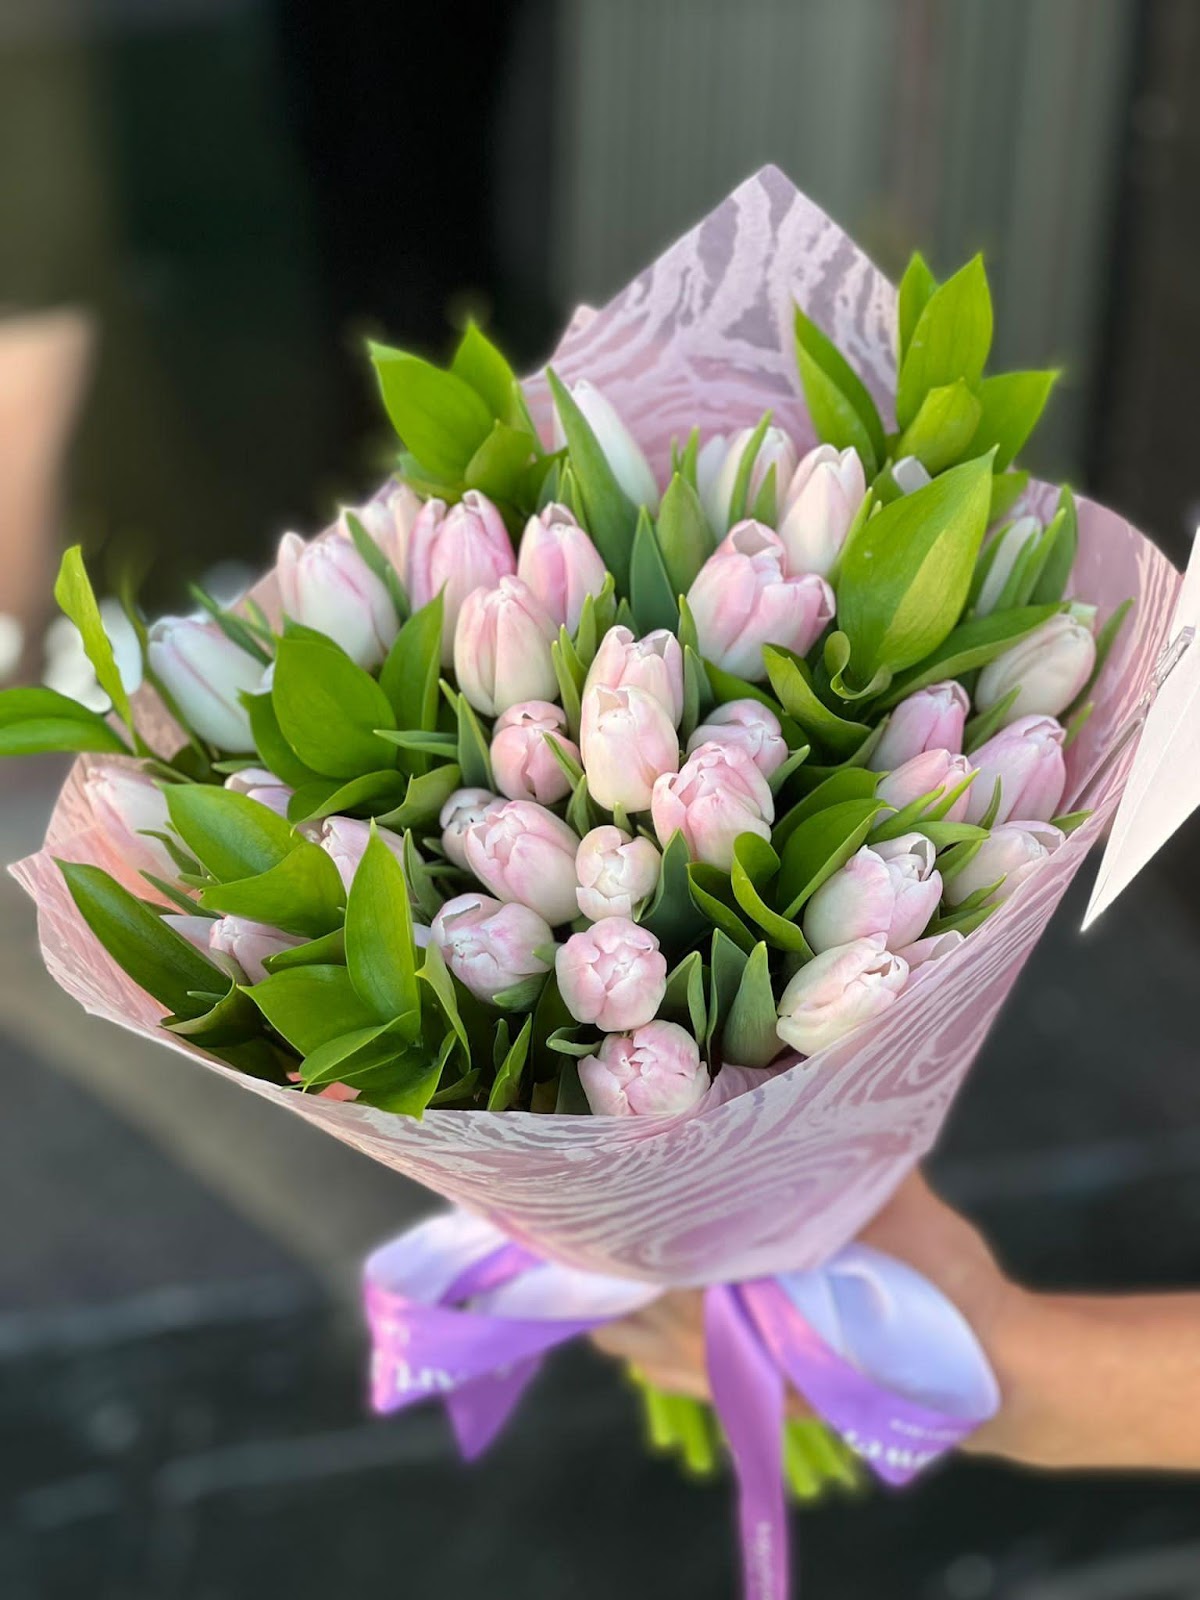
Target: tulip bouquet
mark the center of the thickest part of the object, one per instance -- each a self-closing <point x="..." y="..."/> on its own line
<point x="692" y="736"/>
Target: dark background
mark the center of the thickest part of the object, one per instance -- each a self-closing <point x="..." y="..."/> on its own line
<point x="230" y="194"/>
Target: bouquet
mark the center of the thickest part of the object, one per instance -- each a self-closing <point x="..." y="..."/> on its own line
<point x="629" y="822"/>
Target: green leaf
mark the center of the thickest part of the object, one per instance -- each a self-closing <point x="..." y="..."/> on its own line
<point x="683" y="1000"/>
<point x="478" y="362"/>
<point x="498" y="467"/>
<point x="970" y="645"/>
<point x="411" y="1080"/>
<point x="1068" y="821"/>
<point x="372" y="794"/>
<point x="741" y="479"/>
<point x="158" y="959"/>
<point x="35" y="720"/>
<point x="328" y="950"/>
<point x="697" y="698"/>
<point x="230" y="834"/>
<point x="424" y="798"/>
<point x="981" y="728"/>
<point x="1105" y="640"/>
<point x="712" y="891"/>
<point x="1056" y="572"/>
<point x="232" y="626"/>
<point x="942" y="431"/>
<point x="1011" y="404"/>
<point x="791" y="679"/>
<point x="569" y="685"/>
<point x="422" y="885"/>
<point x="234" y="1019"/>
<point x="328" y="709"/>
<point x="380" y="952"/>
<point x="582" y="815"/>
<point x="351" y="1056"/>
<point x="73" y="592"/>
<point x="474" y="759"/>
<point x="610" y="515"/>
<point x="275" y="753"/>
<point x="906" y="576"/>
<point x="841" y="409"/>
<point x="726" y="965"/>
<point x="749" y="1037"/>
<point x="755" y="864"/>
<point x="820" y="845"/>
<point x="951" y="340"/>
<point x="1007" y="489"/>
<point x="310" y="1006"/>
<point x="916" y="287"/>
<point x="671" y="914"/>
<point x="440" y="418"/>
<point x="684" y="536"/>
<point x="506" y="1090"/>
<point x="651" y="593"/>
<point x="409" y="677"/>
<point x="842" y="784"/>
<point x="375" y="560"/>
<point x="301" y="894"/>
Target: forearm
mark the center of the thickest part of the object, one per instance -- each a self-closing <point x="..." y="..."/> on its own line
<point x="1096" y="1381"/>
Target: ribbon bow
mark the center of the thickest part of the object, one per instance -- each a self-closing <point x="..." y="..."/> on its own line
<point x="459" y="1312"/>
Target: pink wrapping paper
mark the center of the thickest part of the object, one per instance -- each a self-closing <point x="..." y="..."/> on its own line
<point x="771" y="1173"/>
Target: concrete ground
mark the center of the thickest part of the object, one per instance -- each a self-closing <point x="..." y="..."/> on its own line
<point x="182" y="1366"/>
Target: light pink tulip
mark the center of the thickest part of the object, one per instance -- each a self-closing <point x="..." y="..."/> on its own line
<point x="128" y="805"/>
<point x="741" y="600"/>
<point x="931" y="770"/>
<point x="249" y="944"/>
<point x="502" y="648"/>
<point x="616" y="873"/>
<point x="891" y="888"/>
<point x="263" y="786"/>
<point x="462" y="810"/>
<point x="628" y="741"/>
<point x="819" y="506"/>
<point x="722" y="463"/>
<point x="522" y="762"/>
<point x="838" y="991"/>
<point x="345" y="839"/>
<point x="389" y="519"/>
<point x="620" y="449"/>
<point x="1027" y="758"/>
<point x="521" y="851"/>
<point x="1047" y="668"/>
<point x="717" y="795"/>
<point x="328" y="586"/>
<point x="925" y="954"/>
<point x="1010" y="544"/>
<point x="931" y="719"/>
<point x="453" y="553"/>
<point x="612" y="975"/>
<point x="751" y="726"/>
<point x="1010" y="853"/>
<point x="653" y="664"/>
<point x="653" y="1072"/>
<point x="559" y="562"/>
<point x="490" y="946"/>
<point x="206" y="674"/>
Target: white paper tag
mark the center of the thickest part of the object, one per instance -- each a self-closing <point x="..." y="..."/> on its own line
<point x="1164" y="782"/>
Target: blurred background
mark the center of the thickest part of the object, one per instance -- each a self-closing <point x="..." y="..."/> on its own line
<point x="205" y="205"/>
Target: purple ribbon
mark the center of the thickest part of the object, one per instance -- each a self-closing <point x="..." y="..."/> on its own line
<point x="459" y="1312"/>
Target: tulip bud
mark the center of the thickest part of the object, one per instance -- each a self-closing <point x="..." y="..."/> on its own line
<point x="1006" y="857"/>
<point x="249" y="944"/>
<point x="932" y="770"/>
<point x="931" y="719"/>
<point x="129" y="805"/>
<point x="776" y="450"/>
<point x="453" y="553"/>
<point x="328" y="586"/>
<point x="717" y="795"/>
<point x="502" y="648"/>
<point x="521" y="851"/>
<point x="909" y="474"/>
<point x="560" y="564"/>
<point x="628" y="741"/>
<point x="1027" y="758"/>
<point x="1047" y="668"/>
<point x="925" y="954"/>
<point x="653" y="664"/>
<point x="345" y="840"/>
<point x="389" y="519"/>
<point x="613" y="975"/>
<point x="262" y="786"/>
<point x="1009" y="544"/>
<point x="741" y="601"/>
<point x="205" y="673"/>
<point x="489" y="946"/>
<point x="461" y="812"/>
<point x="891" y="889"/>
<point x="616" y="873"/>
<point x="522" y="761"/>
<point x="751" y="726"/>
<point x="841" y="988"/>
<point x="821" y="503"/>
<point x="654" y="1072"/>
<point x="629" y="465"/>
